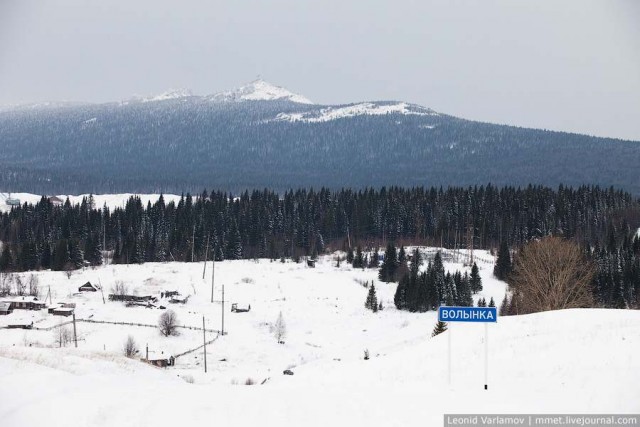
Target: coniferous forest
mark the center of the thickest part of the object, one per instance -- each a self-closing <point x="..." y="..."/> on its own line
<point x="265" y="224"/>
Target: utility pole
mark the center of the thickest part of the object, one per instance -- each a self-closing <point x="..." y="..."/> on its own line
<point x="204" y="337"/>
<point x="222" y="310"/>
<point x="75" y="336"/>
<point x="206" y="254"/>
<point x="147" y="355"/>
<point x="101" y="291"/>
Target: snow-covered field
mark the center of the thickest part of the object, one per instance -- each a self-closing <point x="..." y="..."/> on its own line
<point x="568" y="361"/>
<point x="110" y="200"/>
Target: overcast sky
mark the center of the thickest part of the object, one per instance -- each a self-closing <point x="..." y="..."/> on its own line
<point x="569" y="65"/>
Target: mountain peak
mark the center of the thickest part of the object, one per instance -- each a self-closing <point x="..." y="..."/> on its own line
<point x="260" y="90"/>
<point x="165" y="96"/>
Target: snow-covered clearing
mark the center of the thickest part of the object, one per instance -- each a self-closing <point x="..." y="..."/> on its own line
<point x="364" y="108"/>
<point x="110" y="200"/>
<point x="568" y="361"/>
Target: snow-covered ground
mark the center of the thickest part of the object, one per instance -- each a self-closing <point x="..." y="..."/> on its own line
<point x="361" y="109"/>
<point x="111" y="200"/>
<point x="259" y="90"/>
<point x="567" y="361"/>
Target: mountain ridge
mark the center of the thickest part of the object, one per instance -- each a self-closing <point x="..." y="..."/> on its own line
<point x="260" y="136"/>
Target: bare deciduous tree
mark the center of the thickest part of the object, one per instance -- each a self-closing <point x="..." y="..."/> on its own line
<point x="280" y="329"/>
<point x="68" y="269"/>
<point x="551" y="274"/>
<point x="168" y="323"/>
<point x="21" y="287"/>
<point x="120" y="288"/>
<point x="6" y="280"/>
<point x="63" y="335"/>
<point x="130" y="347"/>
<point x="34" y="285"/>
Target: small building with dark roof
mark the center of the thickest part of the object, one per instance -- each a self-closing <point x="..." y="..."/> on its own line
<point x="87" y="287"/>
<point x="5" y="308"/>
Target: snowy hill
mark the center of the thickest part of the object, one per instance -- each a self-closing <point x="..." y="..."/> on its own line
<point x="259" y="90"/>
<point x="567" y="361"/>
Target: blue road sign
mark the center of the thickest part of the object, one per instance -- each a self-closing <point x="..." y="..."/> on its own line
<point x="467" y="314"/>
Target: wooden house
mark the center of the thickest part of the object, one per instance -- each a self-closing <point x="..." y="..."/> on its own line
<point x="132" y="298"/>
<point x="87" y="287"/>
<point x="26" y="303"/>
<point x="63" y="311"/>
<point x="5" y="308"/>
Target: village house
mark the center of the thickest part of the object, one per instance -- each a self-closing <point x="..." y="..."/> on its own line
<point x="5" y="308"/>
<point x="26" y="303"/>
<point x="63" y="311"/>
<point x="87" y="287"/>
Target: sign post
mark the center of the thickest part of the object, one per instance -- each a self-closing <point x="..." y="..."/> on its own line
<point x="475" y="315"/>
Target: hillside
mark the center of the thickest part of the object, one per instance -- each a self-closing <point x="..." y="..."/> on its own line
<point x="262" y="135"/>
<point x="567" y="361"/>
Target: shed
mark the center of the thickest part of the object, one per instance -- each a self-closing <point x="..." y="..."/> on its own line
<point x="177" y="299"/>
<point x="87" y="287"/>
<point x="5" y="308"/>
<point x="236" y="309"/>
<point x="21" y="326"/>
<point x="63" y="311"/>
<point x="169" y="294"/>
<point x="51" y="308"/>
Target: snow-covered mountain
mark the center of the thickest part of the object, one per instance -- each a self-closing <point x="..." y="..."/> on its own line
<point x="263" y="135"/>
<point x="170" y="94"/>
<point x="259" y="90"/>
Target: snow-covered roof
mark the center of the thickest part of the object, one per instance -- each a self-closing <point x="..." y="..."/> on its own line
<point x="22" y="299"/>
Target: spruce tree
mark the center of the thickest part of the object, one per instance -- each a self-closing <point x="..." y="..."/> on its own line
<point x="503" y="265"/>
<point x="350" y="256"/>
<point x="372" y="301"/>
<point x="400" y="297"/>
<point x="387" y="272"/>
<point x="6" y="262"/>
<point x="504" y="306"/>
<point x="475" y="281"/>
<point x="358" y="260"/>
<point x="402" y="256"/>
<point x="439" y="328"/>
<point x="439" y="278"/>
<point x="492" y="303"/>
<point x="77" y="255"/>
<point x="463" y="288"/>
<point x="234" y="244"/>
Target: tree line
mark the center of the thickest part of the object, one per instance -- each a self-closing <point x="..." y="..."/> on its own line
<point x="306" y="222"/>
